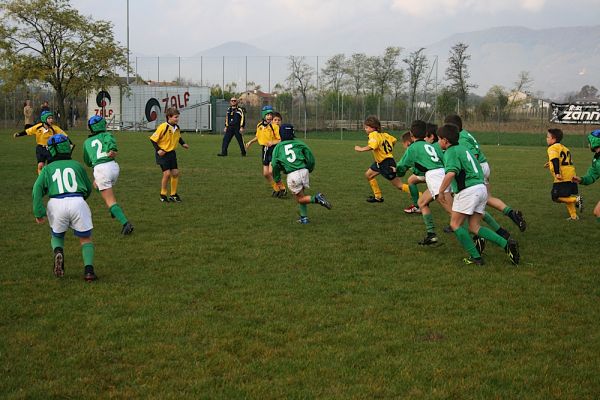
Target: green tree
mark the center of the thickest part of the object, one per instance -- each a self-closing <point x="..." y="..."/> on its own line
<point x="383" y="69"/>
<point x="49" y="41"/>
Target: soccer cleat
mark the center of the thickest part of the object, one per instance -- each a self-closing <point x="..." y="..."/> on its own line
<point x="127" y="228"/>
<point x="59" y="262"/>
<point x="479" y="243"/>
<point x="164" y="198"/>
<point x="175" y="198"/>
<point x="412" y="209"/>
<point x="503" y="232"/>
<point x="222" y="155"/>
<point x="88" y="274"/>
<point x="517" y="218"/>
<point x="512" y="251"/>
<point x="448" y="229"/>
<point x="428" y="240"/>
<point x="320" y="199"/>
<point x="275" y="193"/>
<point x="283" y="192"/>
<point x="302" y="220"/>
<point x="473" y="260"/>
<point x="573" y="219"/>
<point x="579" y="203"/>
<point x="373" y="199"/>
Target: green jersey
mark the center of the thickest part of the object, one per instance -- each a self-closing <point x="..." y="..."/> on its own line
<point x="460" y="160"/>
<point x="61" y="178"/>
<point x="420" y="156"/>
<point x="469" y="141"/>
<point x="593" y="173"/>
<point x="96" y="148"/>
<point x="289" y="156"/>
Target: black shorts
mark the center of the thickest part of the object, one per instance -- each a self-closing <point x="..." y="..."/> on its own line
<point x="267" y="155"/>
<point x="385" y="168"/>
<point x="42" y="154"/>
<point x="563" y="189"/>
<point x="168" y="161"/>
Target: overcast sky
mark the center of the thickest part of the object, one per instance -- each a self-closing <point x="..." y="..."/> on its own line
<point x="321" y="27"/>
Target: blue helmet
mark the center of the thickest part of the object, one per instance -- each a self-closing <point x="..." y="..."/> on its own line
<point x="286" y="132"/>
<point x="59" y="144"/>
<point x="97" y="124"/>
<point x="594" y="139"/>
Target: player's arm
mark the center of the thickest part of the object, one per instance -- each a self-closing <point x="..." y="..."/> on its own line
<point x="447" y="181"/>
<point x="590" y="177"/>
<point x="249" y="142"/>
<point x="87" y="184"/>
<point x="309" y="157"/>
<point x="37" y="194"/>
<point x="276" y="164"/>
<point x="403" y="165"/>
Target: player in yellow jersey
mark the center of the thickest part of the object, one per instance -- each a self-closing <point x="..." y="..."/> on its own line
<point x="561" y="167"/>
<point x="382" y="146"/>
<point x="267" y="135"/>
<point x="165" y="140"/>
<point x="42" y="131"/>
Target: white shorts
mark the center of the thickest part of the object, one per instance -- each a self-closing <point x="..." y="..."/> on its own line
<point x="298" y="180"/>
<point x="106" y="175"/>
<point x="69" y="212"/>
<point x="434" y="178"/>
<point x="486" y="172"/>
<point x="471" y="200"/>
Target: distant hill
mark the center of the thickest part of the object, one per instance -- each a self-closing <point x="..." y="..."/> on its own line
<point x="232" y="49"/>
<point x="559" y="60"/>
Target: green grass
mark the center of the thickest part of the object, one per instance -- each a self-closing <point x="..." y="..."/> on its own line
<point x="224" y="296"/>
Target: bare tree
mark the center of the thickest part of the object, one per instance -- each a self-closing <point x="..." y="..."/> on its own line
<point x="417" y="65"/>
<point x="522" y="86"/>
<point x="356" y="69"/>
<point x="300" y="77"/>
<point x="457" y="72"/>
<point x="334" y="72"/>
<point x="383" y="69"/>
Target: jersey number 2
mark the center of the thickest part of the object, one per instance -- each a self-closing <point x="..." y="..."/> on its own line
<point x="99" y="152"/>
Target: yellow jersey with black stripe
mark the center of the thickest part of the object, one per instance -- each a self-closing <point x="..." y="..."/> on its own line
<point x="382" y="144"/>
<point x="267" y="133"/>
<point x="166" y="136"/>
<point x="565" y="164"/>
<point x="42" y="133"/>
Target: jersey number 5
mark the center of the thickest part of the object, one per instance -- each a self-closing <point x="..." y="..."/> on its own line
<point x="289" y="152"/>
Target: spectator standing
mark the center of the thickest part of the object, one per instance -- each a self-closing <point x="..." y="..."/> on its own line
<point x="234" y="126"/>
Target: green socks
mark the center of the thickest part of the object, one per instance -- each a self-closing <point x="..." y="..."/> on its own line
<point x="467" y="243"/>
<point x="414" y="194"/>
<point x="117" y="212"/>
<point x="303" y="209"/>
<point x="488" y="234"/>
<point x="506" y="210"/>
<point x="87" y="251"/>
<point x="56" y="242"/>
<point x="488" y="219"/>
<point x="428" y="218"/>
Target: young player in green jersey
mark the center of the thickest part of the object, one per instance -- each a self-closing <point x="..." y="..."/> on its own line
<point x="295" y="158"/>
<point x="413" y="180"/>
<point x="469" y="141"/>
<point x="382" y="146"/>
<point x="593" y="173"/>
<point x="99" y="152"/>
<point x="422" y="156"/>
<point x="464" y="173"/>
<point x="67" y="185"/>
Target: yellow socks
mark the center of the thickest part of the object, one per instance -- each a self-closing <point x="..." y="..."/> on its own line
<point x="570" y="203"/>
<point x="174" y="182"/>
<point x="375" y="188"/>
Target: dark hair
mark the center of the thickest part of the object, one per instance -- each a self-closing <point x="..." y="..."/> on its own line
<point x="417" y="128"/>
<point x="431" y="131"/>
<point x="373" y="122"/>
<point x="277" y="115"/>
<point x="449" y="132"/>
<point x="171" y="111"/>
<point x="406" y="137"/>
<point x="556" y="133"/>
<point x="454" y="119"/>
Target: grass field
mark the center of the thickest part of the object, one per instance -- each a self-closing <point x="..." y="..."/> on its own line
<point x="224" y="296"/>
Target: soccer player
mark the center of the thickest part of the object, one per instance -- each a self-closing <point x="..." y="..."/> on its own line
<point x="42" y="131"/>
<point x="294" y="157"/>
<point x="467" y="140"/>
<point x="67" y="186"/>
<point x="235" y="122"/>
<point x="465" y="174"/>
<point x="267" y="135"/>
<point x="165" y="140"/>
<point x="413" y="180"/>
<point x="382" y="146"/>
<point x="277" y="120"/>
<point x="423" y="157"/>
<point x="564" y="190"/>
<point x="99" y="152"/>
<point x="593" y="173"/>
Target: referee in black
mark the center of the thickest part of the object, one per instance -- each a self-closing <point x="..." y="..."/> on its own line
<point x="234" y="126"/>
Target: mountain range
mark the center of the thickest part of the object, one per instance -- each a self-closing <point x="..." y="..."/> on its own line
<point x="560" y="60"/>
